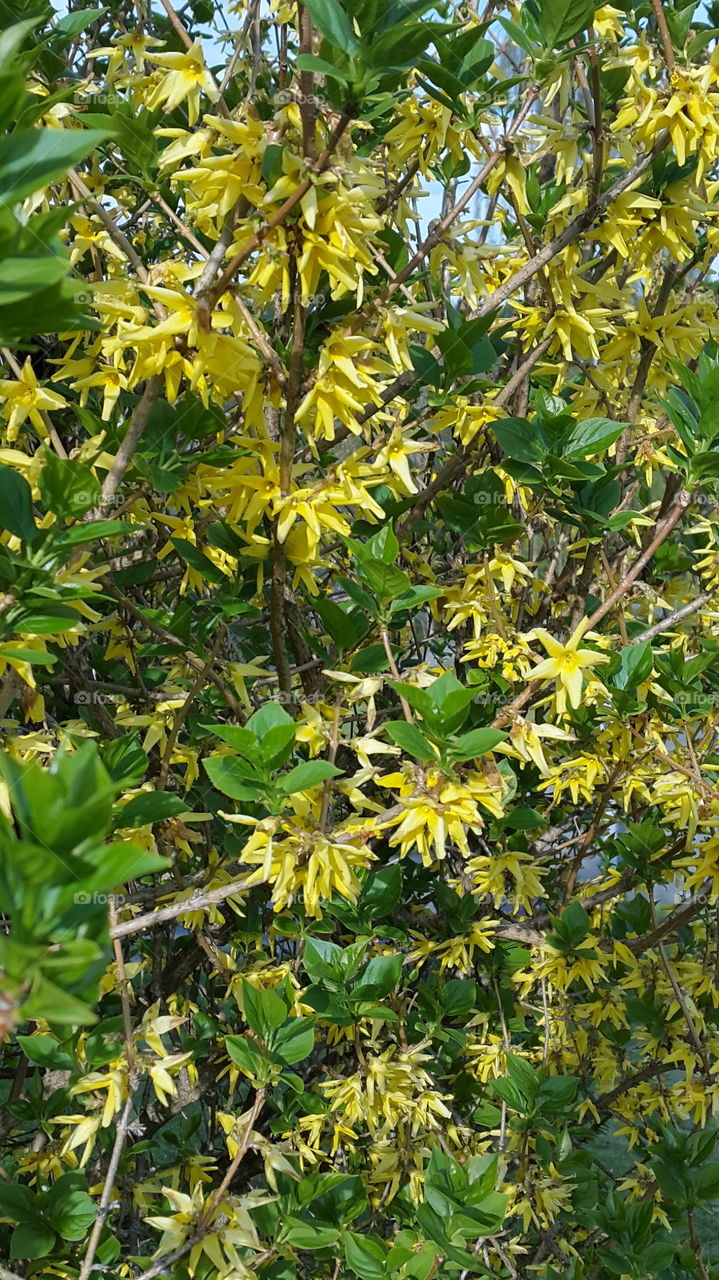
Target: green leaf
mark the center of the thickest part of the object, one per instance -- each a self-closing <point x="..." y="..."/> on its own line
<point x="382" y="891"/>
<point x="48" y="1001"/>
<point x="17" y="1202"/>
<point x="365" y="1256"/>
<point x="32" y="158"/>
<point x="45" y="1051"/>
<point x="523" y="818"/>
<point x="591" y="436"/>
<point x="269" y="716"/>
<point x="450" y="701"/>
<point x="408" y="737"/>
<point x="458" y="997"/>
<point x="309" y="1236"/>
<point x="91" y="532"/>
<point x="246" y="1055"/>
<point x="384" y="545"/>
<point x="636" y="663"/>
<point x="322" y="959"/>
<point x="275" y="746"/>
<point x="35" y="656"/>
<point x="476" y="743"/>
<point x="25" y="277"/>
<point x="305" y="776"/>
<point x="560" y="20"/>
<point x="150" y="807"/>
<point x="379" y="978"/>
<point x="73" y="23"/>
<point x="199" y="561"/>
<point x="309" y="62"/>
<point x="16" y="504"/>
<point x="295" y="1040"/>
<point x="386" y="580"/>
<point x="330" y="18"/>
<point x="31" y="1240"/>
<point x="243" y="740"/>
<point x="233" y="778"/>
<point x="12" y="39"/>
<point x="346" y="626"/>
<point x="265" y="1011"/>
<point x="523" y="1075"/>
<point x="70" y="1210"/>
<point x="707" y="1183"/>
<point x="413" y="597"/>
<point x="68" y="487"/>
<point x="521" y="440"/>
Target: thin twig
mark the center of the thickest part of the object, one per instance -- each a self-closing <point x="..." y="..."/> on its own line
<point x="664" y="34"/>
<point x="125" y="453"/>
<point x="203" y="1225"/>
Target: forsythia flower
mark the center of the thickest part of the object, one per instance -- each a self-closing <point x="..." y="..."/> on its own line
<point x="187" y="78"/>
<point x="566" y="664"/>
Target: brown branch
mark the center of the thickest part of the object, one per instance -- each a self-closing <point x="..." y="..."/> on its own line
<point x="395" y="673"/>
<point x="459" y="460"/>
<point x="203" y="1224"/>
<point x="661" y="535"/>
<point x="130" y="441"/>
<point x="442" y="226"/>
<point x="675" y="920"/>
<point x="331" y="757"/>
<point x="597" y="126"/>
<point x="184" y="710"/>
<point x="169" y="637"/>
<point x="695" y="1245"/>
<point x="647" y="352"/>
<point x="679" y="994"/>
<point x="123" y="1124"/>
<point x="307" y="87"/>
<point x="666" y="624"/>
<point x="664" y="34"/>
<point x="571" y="232"/>
<point x="591" y="830"/>
<point x="195" y="902"/>
<point x="287" y="446"/>
<point x="397" y="191"/>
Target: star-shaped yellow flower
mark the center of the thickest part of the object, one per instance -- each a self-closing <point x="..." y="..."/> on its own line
<point x="565" y="664"/>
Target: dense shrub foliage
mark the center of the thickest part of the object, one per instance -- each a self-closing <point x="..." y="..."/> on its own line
<point x="359" y="550"/>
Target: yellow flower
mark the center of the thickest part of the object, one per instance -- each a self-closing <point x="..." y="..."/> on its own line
<point x="565" y="664"/>
<point x="392" y="1087"/>
<point x="488" y="876"/>
<point x="525" y="742"/>
<point x="187" y="78"/>
<point x="459" y="952"/>
<point x="437" y="809"/>
<point x="25" y="398"/>
<point x="303" y="860"/>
